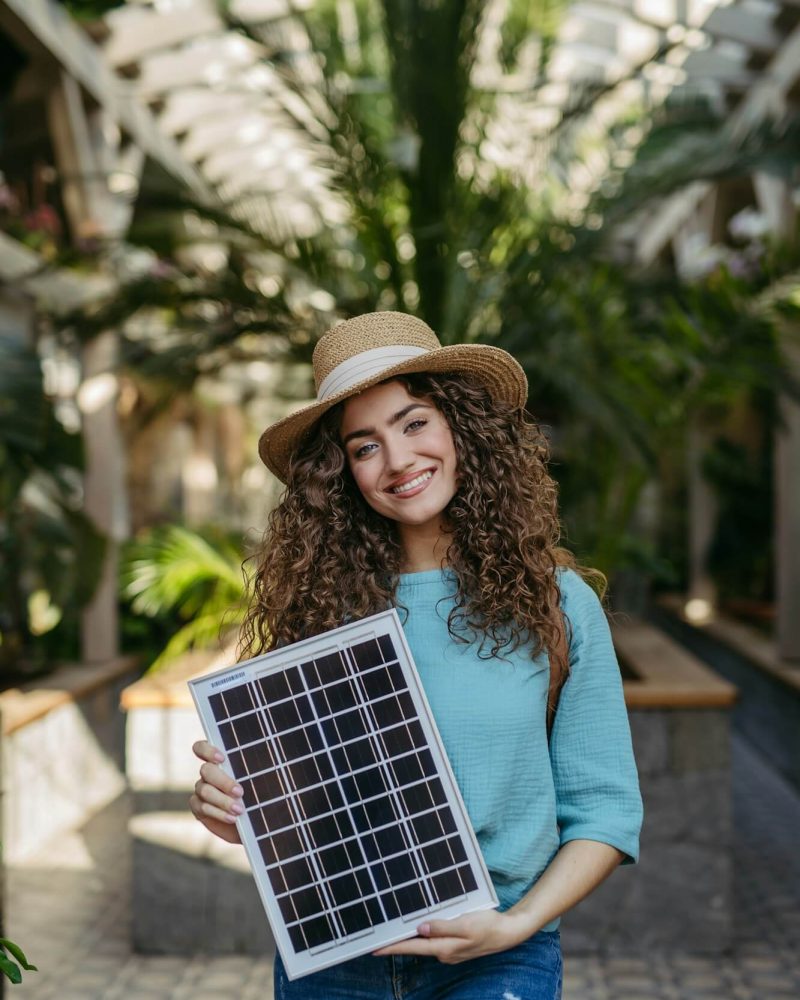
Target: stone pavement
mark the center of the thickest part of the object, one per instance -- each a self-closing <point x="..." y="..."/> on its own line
<point x="68" y="906"/>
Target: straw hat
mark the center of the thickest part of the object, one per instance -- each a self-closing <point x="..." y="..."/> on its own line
<point x="363" y="351"/>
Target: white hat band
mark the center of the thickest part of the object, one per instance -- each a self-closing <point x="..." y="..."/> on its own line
<point x="363" y="366"/>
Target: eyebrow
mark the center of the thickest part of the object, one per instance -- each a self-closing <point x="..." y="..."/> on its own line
<point x="369" y="431"/>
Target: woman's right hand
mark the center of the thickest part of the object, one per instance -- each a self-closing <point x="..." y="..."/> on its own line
<point x="217" y="799"/>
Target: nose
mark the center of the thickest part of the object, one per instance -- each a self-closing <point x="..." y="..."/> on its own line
<point x="399" y="457"/>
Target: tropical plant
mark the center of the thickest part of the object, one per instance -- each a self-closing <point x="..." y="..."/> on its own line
<point x="194" y="576"/>
<point x="90" y="10"/>
<point x="13" y="961"/>
<point x="398" y="110"/>
<point x="50" y="553"/>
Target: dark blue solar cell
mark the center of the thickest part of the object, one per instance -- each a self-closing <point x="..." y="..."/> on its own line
<point x="322" y="799"/>
<point x="284" y="715"/>
<point x="330" y="668"/>
<point x="387" y="648"/>
<point x="256" y="758"/>
<point x="366" y="654"/>
<point x="355" y="918"/>
<point x="400" y="869"/>
<point x="316" y="932"/>
<point x="389" y="904"/>
<point x="391" y="840"/>
<point x="238" y="699"/>
<point x="381" y="811"/>
<point x="274" y="687"/>
<point x="389" y="711"/>
<point x="410" y="898"/>
<point x="291" y="875"/>
<point x="248" y="728"/>
<point x="217" y="706"/>
<point x="347" y="726"/>
<point x="310" y="770"/>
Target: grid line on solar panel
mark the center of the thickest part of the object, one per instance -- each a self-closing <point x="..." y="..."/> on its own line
<point x="453" y="844"/>
<point x="242" y="701"/>
<point x="347" y="829"/>
<point x="286" y="899"/>
<point x="429" y="770"/>
<point x="353" y="690"/>
<point x="392" y="732"/>
<point x="256" y="715"/>
<point x="335" y="924"/>
<point x="363" y="802"/>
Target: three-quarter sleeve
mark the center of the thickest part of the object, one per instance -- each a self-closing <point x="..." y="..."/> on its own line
<point x="596" y="784"/>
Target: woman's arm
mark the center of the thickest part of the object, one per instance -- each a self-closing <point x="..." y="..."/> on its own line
<point x="576" y="870"/>
<point x="217" y="799"/>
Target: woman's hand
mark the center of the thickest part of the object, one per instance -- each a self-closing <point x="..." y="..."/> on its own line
<point x="465" y="937"/>
<point x="217" y="799"/>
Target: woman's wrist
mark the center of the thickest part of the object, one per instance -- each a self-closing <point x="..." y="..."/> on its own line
<point x="520" y="925"/>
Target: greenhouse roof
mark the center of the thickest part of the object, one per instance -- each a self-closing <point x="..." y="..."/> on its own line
<point x="216" y="93"/>
<point x="208" y="94"/>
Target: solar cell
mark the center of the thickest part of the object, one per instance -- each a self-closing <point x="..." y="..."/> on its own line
<point x="353" y="823"/>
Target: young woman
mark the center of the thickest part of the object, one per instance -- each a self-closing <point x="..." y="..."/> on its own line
<point x="417" y="480"/>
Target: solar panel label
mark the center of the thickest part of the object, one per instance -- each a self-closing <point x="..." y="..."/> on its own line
<point x="353" y="825"/>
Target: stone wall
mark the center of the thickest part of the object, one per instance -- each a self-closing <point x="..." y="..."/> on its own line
<point x="63" y="752"/>
<point x="679" y="897"/>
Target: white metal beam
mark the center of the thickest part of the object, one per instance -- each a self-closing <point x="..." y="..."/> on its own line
<point x="766" y="96"/>
<point x="739" y="24"/>
<point x="136" y="32"/>
<point x="57" y="33"/>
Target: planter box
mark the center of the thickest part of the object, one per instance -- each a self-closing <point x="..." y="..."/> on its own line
<point x="768" y="712"/>
<point x="680" y="895"/>
<point x="63" y="751"/>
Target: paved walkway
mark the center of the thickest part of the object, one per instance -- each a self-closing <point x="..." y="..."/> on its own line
<point x="68" y="906"/>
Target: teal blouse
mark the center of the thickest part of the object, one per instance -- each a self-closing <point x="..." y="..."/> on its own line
<point x="526" y="798"/>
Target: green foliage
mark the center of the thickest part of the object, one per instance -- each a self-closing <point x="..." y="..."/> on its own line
<point x="50" y="553"/>
<point x="193" y="576"/>
<point x="619" y="360"/>
<point x="13" y="961"/>
<point x="90" y="10"/>
<point x="741" y="555"/>
<point x="524" y="19"/>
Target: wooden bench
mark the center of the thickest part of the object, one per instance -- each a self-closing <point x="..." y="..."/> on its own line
<point x="665" y="674"/>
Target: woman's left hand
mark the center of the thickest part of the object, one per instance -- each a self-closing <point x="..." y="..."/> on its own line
<point x="463" y="938"/>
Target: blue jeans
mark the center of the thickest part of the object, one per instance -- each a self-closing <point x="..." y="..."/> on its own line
<point x="531" y="971"/>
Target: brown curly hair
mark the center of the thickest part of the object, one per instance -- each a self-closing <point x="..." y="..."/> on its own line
<point x="503" y="525"/>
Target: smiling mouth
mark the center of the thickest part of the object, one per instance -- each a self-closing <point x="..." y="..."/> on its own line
<point x="412" y="484"/>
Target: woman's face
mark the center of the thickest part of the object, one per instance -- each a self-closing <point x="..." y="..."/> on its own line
<point x="401" y="453"/>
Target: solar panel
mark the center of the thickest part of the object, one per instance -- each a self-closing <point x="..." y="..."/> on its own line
<point x="353" y="823"/>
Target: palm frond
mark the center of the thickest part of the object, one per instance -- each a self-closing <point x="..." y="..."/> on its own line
<point x="194" y="577"/>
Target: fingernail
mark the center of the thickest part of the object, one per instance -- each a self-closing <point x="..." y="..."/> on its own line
<point x="219" y="757"/>
<point x="230" y="817"/>
<point x="237" y="808"/>
<point x="237" y="790"/>
<point x="424" y="930"/>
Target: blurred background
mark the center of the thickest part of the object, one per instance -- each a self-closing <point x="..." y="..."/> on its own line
<point x="191" y="192"/>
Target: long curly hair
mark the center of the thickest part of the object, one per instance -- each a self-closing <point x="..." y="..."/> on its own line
<point x="327" y="557"/>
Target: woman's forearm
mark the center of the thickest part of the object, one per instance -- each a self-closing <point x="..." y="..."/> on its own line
<point x="578" y="868"/>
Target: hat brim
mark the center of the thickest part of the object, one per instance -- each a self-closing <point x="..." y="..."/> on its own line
<point x="493" y="367"/>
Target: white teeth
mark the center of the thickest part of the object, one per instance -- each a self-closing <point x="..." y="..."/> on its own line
<point x="424" y="477"/>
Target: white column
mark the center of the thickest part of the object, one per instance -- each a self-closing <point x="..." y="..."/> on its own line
<point x="787" y="521"/>
<point x="87" y="150"/>
<point x="774" y="196"/>
<point x="105" y="496"/>
<point x="689" y="244"/>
